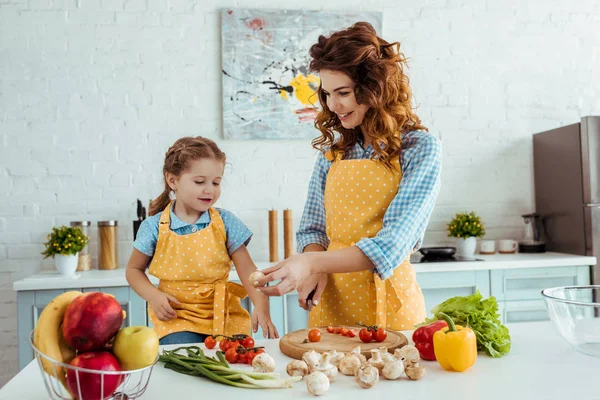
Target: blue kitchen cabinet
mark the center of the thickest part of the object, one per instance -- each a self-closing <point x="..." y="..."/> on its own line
<point x="518" y="291"/>
<point x="440" y="286"/>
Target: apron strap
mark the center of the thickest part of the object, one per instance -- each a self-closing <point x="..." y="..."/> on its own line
<point x="385" y="294"/>
<point x="219" y="291"/>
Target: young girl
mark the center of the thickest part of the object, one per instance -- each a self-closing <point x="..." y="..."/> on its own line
<point x="189" y="246"/>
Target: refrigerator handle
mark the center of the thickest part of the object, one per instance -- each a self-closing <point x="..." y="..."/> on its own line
<point x="592" y="205"/>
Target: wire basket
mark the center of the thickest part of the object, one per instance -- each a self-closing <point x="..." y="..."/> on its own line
<point x="101" y="385"/>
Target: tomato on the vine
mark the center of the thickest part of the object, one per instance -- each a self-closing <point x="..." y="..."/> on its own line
<point x="231" y="355"/>
<point x="250" y="356"/>
<point x="330" y="329"/>
<point x="365" y="335"/>
<point x="248" y="342"/>
<point x="223" y="344"/>
<point x="314" y="335"/>
<point x="243" y="358"/>
<point x="379" y="335"/>
<point x="344" y="332"/>
<point x="351" y="333"/>
<point x="235" y="344"/>
<point x="337" y="329"/>
<point x="210" y="342"/>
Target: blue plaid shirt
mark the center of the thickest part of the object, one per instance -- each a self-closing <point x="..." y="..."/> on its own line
<point x="406" y="218"/>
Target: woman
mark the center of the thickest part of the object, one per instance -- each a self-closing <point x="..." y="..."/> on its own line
<point x="371" y="193"/>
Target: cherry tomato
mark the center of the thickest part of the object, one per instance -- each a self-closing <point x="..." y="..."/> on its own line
<point x="337" y="329"/>
<point x="351" y="333"/>
<point x="380" y="335"/>
<point x="365" y="335"/>
<point x="248" y="342"/>
<point x="260" y="351"/>
<point x="250" y="356"/>
<point x="235" y="344"/>
<point x="210" y="342"/>
<point x="330" y="329"/>
<point x="231" y="355"/>
<point x="314" y="335"/>
<point x="344" y="332"/>
<point x="223" y="344"/>
<point x="243" y="358"/>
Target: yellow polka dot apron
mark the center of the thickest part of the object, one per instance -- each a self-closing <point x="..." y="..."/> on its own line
<point x="357" y="195"/>
<point x="195" y="268"/>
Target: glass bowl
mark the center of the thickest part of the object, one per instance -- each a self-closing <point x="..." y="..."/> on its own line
<point x="575" y="311"/>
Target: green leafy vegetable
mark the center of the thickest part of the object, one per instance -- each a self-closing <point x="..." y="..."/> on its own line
<point x="482" y="317"/>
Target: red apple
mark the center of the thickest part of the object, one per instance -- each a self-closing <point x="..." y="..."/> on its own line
<point x="91" y="321"/>
<point x="94" y="386"/>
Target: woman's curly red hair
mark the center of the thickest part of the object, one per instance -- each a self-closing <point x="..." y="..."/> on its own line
<point x="376" y="67"/>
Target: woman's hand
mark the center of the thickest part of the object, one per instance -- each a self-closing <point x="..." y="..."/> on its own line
<point x="292" y="272"/>
<point x="263" y="318"/>
<point x="161" y="305"/>
<point x="316" y="282"/>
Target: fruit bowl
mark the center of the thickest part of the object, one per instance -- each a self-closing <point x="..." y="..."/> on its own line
<point x="129" y="384"/>
<point x="575" y="310"/>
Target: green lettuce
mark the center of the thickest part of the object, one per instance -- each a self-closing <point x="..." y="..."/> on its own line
<point x="482" y="317"/>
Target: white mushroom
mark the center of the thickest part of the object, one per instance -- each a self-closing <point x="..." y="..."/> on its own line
<point x="376" y="360"/>
<point x="254" y="277"/>
<point x="336" y="357"/>
<point x="349" y="364"/>
<point x="393" y="369"/>
<point x="263" y="363"/>
<point x="409" y="354"/>
<point x="414" y="371"/>
<point x="386" y="356"/>
<point x="326" y="367"/>
<point x="366" y="375"/>
<point x="311" y="358"/>
<point x="297" y="368"/>
<point x="317" y="383"/>
<point x="361" y="357"/>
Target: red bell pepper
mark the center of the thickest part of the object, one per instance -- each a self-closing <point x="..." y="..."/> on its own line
<point x="423" y="338"/>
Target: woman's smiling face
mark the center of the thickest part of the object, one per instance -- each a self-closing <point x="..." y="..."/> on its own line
<point x="338" y="89"/>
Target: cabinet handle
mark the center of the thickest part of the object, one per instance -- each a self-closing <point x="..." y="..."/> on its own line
<point x="592" y="205"/>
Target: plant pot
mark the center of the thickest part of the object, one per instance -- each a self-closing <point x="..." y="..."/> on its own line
<point x="466" y="247"/>
<point x="66" y="265"/>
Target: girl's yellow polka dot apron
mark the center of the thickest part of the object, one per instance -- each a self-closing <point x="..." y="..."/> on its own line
<point x="357" y="195"/>
<point x="195" y="269"/>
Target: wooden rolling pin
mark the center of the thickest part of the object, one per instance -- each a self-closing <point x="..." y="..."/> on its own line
<point x="288" y="233"/>
<point x="273" y="237"/>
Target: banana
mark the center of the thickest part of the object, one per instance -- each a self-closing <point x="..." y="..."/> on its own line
<point x="48" y="335"/>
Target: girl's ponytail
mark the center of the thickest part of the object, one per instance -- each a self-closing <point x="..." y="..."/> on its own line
<point x="161" y="202"/>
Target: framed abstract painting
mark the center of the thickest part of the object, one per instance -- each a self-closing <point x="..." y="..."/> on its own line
<point x="268" y="92"/>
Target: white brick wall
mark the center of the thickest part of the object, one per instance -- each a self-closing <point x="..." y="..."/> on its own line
<point x="92" y="92"/>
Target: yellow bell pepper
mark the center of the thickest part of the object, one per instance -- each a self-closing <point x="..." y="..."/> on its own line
<point x="455" y="347"/>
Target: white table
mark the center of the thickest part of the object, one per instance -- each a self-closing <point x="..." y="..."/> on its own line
<point x="540" y="366"/>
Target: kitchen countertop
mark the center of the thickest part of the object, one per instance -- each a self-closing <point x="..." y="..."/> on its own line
<point x="540" y="366"/>
<point x="47" y="280"/>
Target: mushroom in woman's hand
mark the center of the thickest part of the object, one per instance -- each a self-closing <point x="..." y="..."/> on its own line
<point x="254" y="277"/>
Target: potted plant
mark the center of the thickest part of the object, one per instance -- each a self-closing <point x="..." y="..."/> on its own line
<point x="466" y="227"/>
<point x="64" y="244"/>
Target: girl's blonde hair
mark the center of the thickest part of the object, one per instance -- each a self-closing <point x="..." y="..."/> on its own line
<point x="178" y="159"/>
<point x="377" y="68"/>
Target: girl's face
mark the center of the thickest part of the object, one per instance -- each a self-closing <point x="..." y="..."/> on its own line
<point x="338" y="89"/>
<point x="199" y="187"/>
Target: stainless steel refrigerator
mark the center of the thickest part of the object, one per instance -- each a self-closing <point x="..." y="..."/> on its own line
<point x="566" y="165"/>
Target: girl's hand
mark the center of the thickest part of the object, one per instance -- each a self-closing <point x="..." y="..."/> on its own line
<point x="263" y="318"/>
<point x="316" y="282"/>
<point x="161" y="305"/>
<point x="292" y="272"/>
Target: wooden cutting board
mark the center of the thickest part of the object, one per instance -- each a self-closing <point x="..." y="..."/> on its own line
<point x="291" y="344"/>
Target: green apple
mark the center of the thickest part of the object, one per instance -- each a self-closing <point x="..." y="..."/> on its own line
<point x="136" y="347"/>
